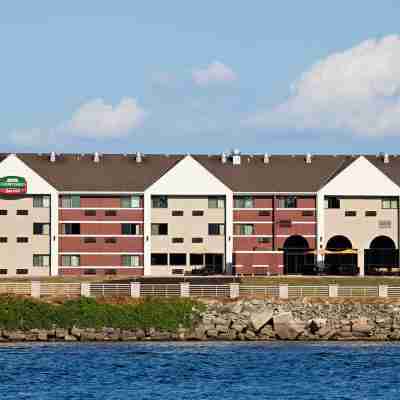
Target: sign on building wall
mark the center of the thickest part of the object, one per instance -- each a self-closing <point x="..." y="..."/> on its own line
<point x="13" y="185"/>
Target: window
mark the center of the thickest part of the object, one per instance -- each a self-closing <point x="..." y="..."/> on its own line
<point x="244" y="202"/>
<point x="177" y="240"/>
<point x="159" y="259"/>
<point x="264" y="213"/>
<point x="177" y="213"/>
<point x="196" y="259"/>
<point x="89" y="240"/>
<point x="159" y="229"/>
<point x="110" y="213"/>
<point x="71" y="261"/>
<point x="40" y="228"/>
<point x="22" y="271"/>
<point x="3" y="239"/>
<point x="285" y="223"/>
<point x="22" y="212"/>
<point x="263" y="240"/>
<point x="40" y="260"/>
<point x="197" y="240"/>
<point x="3" y="212"/>
<point x="112" y="240"/>
<point x="3" y="271"/>
<point x="70" y="229"/>
<point x="22" y="239"/>
<point x="244" y="229"/>
<point x="197" y="213"/>
<point x="130" y="229"/>
<point x="307" y="213"/>
<point x="130" y="261"/>
<point x="90" y="213"/>
<point x="159" y="201"/>
<point x="332" y="202"/>
<point x="389" y="204"/>
<point x="130" y="202"/>
<point x="287" y="202"/>
<point x="73" y="201"/>
<point x="177" y="259"/>
<point x="41" y="201"/>
<point x="350" y="213"/>
<point x="216" y="229"/>
<point x="90" y="271"/>
<point x="216" y="202"/>
<point x="385" y="224"/>
<point x="370" y="213"/>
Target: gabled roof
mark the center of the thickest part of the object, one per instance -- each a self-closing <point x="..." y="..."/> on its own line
<point x="114" y="172"/>
<point x="391" y="169"/>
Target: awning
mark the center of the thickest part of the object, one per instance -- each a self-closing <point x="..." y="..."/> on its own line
<point x="324" y="252"/>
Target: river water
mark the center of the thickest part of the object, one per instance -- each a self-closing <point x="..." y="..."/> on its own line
<point x="176" y="371"/>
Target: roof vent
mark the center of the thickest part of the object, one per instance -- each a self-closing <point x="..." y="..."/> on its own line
<point x="236" y="157"/>
<point x="386" y="158"/>
<point x="139" y="157"/>
<point x="96" y="157"/>
<point x="266" y="158"/>
<point x="308" y="158"/>
<point x="52" y="156"/>
<point x="223" y="158"/>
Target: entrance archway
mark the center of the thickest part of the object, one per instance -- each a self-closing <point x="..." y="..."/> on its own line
<point x="297" y="259"/>
<point x="382" y="257"/>
<point x="340" y="260"/>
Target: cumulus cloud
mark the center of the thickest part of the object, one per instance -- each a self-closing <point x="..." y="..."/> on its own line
<point x="357" y="90"/>
<point x="216" y="72"/>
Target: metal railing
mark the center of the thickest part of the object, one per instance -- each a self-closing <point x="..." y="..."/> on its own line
<point x="166" y="290"/>
<point x="110" y="289"/>
<point x="308" y="291"/>
<point x="266" y="291"/>
<point x="60" y="289"/>
<point x="393" y="291"/>
<point x="209" y="290"/>
<point x="18" y="288"/>
<point x="358" y="291"/>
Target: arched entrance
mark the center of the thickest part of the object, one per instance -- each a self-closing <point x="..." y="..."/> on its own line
<point x="341" y="258"/>
<point x="382" y="257"/>
<point x="297" y="258"/>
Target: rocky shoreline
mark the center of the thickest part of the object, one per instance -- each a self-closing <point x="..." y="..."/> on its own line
<point x="251" y="320"/>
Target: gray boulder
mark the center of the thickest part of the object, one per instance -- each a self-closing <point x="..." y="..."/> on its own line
<point x="286" y="327"/>
<point x="259" y="319"/>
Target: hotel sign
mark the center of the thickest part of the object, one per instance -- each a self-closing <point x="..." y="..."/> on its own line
<point x="13" y="185"/>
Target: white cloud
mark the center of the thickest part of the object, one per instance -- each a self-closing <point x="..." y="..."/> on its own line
<point x="98" y="119"/>
<point x="216" y="72"/>
<point x="357" y="90"/>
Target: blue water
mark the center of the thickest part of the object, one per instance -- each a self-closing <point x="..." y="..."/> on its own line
<point x="176" y="371"/>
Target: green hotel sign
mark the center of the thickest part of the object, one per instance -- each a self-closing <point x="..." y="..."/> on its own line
<point x="12" y="185"/>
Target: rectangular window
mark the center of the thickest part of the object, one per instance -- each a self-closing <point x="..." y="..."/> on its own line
<point x="263" y="240"/>
<point x="389" y="204"/>
<point x="177" y="259"/>
<point x="216" y="202"/>
<point x="3" y="212"/>
<point x="197" y="213"/>
<point x="350" y="213"/>
<point x="159" y="259"/>
<point x="159" y="229"/>
<point x="73" y="201"/>
<point x="130" y="229"/>
<point x="3" y="239"/>
<point x="40" y="260"/>
<point x="196" y="259"/>
<point x="159" y="201"/>
<point x="70" y="229"/>
<point x="41" y="201"/>
<point x="110" y="213"/>
<point x="177" y="213"/>
<point x="370" y="213"/>
<point x="71" y="261"/>
<point x="287" y="202"/>
<point x="22" y="212"/>
<point x="307" y="213"/>
<point x="385" y="224"/>
<point x="89" y="271"/>
<point x="332" y="202"/>
<point x="244" y="202"/>
<point x="216" y="229"/>
<point x="264" y="213"/>
<point x="90" y="213"/>
<point x="244" y="229"/>
<point x="22" y="239"/>
<point x="130" y="260"/>
<point x="110" y="240"/>
<point x="22" y="271"/>
<point x="130" y="202"/>
<point x="285" y="223"/>
<point x="177" y="240"/>
<point x="197" y="240"/>
<point x="89" y="240"/>
<point x="3" y="271"/>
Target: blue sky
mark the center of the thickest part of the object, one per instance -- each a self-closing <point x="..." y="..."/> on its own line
<point x="206" y="76"/>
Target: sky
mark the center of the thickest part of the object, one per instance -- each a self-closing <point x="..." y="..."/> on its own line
<point x="175" y="76"/>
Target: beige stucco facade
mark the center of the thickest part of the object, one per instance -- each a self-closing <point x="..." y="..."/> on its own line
<point x="16" y="255"/>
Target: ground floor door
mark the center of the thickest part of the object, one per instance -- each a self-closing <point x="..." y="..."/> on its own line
<point x="214" y="263"/>
<point x="299" y="262"/>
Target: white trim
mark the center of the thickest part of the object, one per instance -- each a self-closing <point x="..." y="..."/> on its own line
<point x="97" y="192"/>
<point x="100" y="208"/>
<point x="260" y="266"/>
<point x="99" y="222"/>
<point x="257" y="251"/>
<point x="251" y="236"/>
<point x="295" y="209"/>
<point x="99" y="235"/>
<point x="98" y="267"/>
<point x="253" y="209"/>
<point x="278" y="193"/>
<point x="303" y="222"/>
<point x="252" y="222"/>
<point x="96" y="253"/>
<point x="294" y="234"/>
